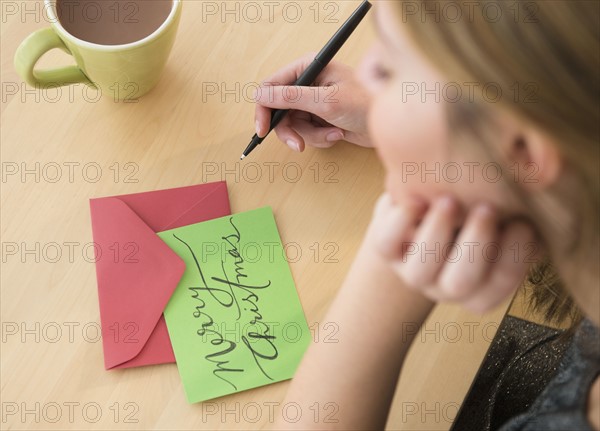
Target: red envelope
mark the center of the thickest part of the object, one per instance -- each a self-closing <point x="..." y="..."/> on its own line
<point x="137" y="272"/>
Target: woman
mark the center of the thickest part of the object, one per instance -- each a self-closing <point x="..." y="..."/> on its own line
<point x="508" y="85"/>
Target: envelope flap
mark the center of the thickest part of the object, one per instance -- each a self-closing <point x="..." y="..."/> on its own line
<point x="214" y="204"/>
<point x="137" y="274"/>
<point x="166" y="209"/>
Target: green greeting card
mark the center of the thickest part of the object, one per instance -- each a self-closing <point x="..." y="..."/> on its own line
<point x="235" y="319"/>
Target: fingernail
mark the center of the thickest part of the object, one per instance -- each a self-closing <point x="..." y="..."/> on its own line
<point x="334" y="136"/>
<point x="484" y="210"/>
<point x="257" y="128"/>
<point x="447" y="202"/>
<point x="293" y="145"/>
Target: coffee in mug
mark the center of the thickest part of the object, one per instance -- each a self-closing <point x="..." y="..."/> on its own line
<point x="120" y="47"/>
<point x="112" y="22"/>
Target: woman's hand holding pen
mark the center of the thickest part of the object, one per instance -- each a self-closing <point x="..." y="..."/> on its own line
<point x="332" y="110"/>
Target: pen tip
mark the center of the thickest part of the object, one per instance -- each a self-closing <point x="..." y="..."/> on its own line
<point x="243" y="157"/>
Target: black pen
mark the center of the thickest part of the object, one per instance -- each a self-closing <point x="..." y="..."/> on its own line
<point x="316" y="67"/>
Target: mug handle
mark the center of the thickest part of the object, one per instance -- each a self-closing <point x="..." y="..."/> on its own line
<point x="32" y="49"/>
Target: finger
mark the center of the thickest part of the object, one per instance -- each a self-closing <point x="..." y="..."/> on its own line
<point x="467" y="265"/>
<point x="262" y="120"/>
<point x="314" y="135"/>
<point x="285" y="76"/>
<point x="508" y="269"/>
<point x="425" y="260"/>
<point x="315" y="131"/>
<point x="314" y="100"/>
<point x="289" y="136"/>
<point x="431" y="292"/>
<point x="384" y="203"/>
<point x="393" y="224"/>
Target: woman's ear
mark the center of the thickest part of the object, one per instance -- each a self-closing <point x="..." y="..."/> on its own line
<point x="534" y="159"/>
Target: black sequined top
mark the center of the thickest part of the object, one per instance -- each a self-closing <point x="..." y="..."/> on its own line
<point x="563" y="403"/>
<point x="533" y="378"/>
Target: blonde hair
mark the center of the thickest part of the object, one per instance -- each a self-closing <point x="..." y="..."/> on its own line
<point x="547" y="54"/>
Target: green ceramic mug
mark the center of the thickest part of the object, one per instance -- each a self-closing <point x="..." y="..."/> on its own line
<point x="121" y="71"/>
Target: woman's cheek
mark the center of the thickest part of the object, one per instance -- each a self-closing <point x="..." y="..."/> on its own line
<point x="409" y="136"/>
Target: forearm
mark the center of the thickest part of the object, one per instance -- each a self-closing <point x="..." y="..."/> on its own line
<point x="358" y="372"/>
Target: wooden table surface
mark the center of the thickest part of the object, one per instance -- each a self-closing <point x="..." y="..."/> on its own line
<point x="61" y="147"/>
